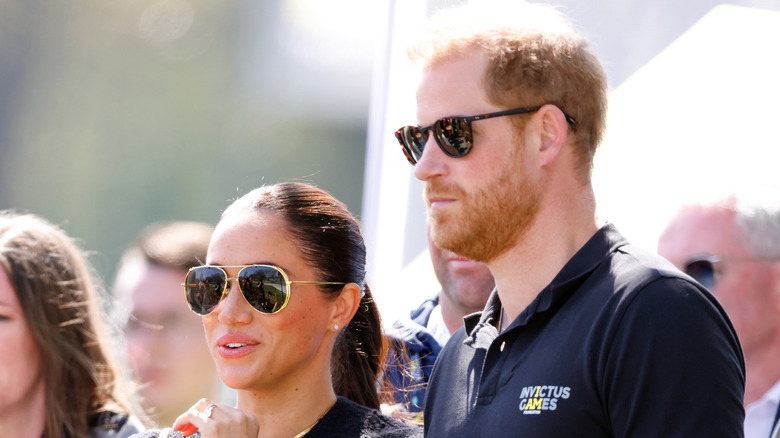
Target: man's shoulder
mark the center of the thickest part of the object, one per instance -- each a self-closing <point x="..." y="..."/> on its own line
<point x="633" y="270"/>
<point x="630" y="262"/>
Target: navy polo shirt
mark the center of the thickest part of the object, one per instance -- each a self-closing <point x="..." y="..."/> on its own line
<point x="620" y="344"/>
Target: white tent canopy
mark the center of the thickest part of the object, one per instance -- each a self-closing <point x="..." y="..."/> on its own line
<point x="697" y="120"/>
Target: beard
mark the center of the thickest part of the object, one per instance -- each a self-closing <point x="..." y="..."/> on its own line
<point x="490" y="221"/>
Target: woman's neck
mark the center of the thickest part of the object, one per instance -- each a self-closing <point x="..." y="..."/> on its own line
<point x="286" y="413"/>
<point x="25" y="418"/>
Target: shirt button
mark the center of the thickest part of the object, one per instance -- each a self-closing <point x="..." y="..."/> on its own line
<point x="503" y="344"/>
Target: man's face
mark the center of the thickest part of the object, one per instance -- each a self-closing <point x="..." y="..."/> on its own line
<point x="743" y="285"/>
<point x="479" y="205"/>
<point x="166" y="345"/>
<point x="467" y="283"/>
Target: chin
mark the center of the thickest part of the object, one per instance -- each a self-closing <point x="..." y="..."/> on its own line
<point x="235" y="378"/>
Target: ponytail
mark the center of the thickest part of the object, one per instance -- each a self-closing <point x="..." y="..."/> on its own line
<point x="359" y="354"/>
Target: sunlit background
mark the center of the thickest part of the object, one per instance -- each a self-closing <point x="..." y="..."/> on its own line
<point x="118" y="113"/>
<point x="114" y="114"/>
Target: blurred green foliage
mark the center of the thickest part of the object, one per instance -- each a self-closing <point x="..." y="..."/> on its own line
<point x="115" y="114"/>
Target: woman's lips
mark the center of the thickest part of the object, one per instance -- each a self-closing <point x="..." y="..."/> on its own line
<point x="236" y="345"/>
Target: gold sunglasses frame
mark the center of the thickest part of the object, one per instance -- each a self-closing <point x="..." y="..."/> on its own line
<point x="226" y="289"/>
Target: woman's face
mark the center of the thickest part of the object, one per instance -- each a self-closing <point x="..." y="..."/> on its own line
<point x="21" y="382"/>
<point x="258" y="351"/>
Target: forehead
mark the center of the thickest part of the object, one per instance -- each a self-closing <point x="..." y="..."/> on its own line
<point x="453" y="87"/>
<point x="700" y="231"/>
<point x="156" y="288"/>
<point x="251" y="237"/>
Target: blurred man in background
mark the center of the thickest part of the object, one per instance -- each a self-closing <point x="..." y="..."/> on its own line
<point x="418" y="338"/>
<point x="732" y="247"/>
<point x="166" y="347"/>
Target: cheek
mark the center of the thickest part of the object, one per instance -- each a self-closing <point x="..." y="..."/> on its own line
<point x="210" y="323"/>
<point x="308" y="323"/>
<point x="743" y="290"/>
<point x="24" y="355"/>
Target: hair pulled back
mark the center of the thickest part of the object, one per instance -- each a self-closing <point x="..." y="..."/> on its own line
<point x="331" y="242"/>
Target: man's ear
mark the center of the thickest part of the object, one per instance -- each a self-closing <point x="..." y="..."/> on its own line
<point x="553" y="131"/>
<point x="345" y="306"/>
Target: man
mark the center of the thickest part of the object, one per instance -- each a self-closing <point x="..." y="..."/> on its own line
<point x="586" y="335"/>
<point x="732" y="246"/>
<point x="166" y="346"/>
<point x="418" y="338"/>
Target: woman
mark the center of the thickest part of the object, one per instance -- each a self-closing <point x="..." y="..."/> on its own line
<point x="58" y="378"/>
<point x="290" y="322"/>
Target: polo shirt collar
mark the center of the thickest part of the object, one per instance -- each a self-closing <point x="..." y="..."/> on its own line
<point x="481" y="326"/>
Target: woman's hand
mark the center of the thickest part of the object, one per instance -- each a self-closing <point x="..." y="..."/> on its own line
<point x="216" y="420"/>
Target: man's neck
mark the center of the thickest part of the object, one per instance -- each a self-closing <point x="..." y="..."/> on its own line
<point x="558" y="232"/>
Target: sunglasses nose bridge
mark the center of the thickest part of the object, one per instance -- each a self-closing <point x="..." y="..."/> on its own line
<point x="229" y="283"/>
<point x="428" y="134"/>
<point x="231" y="303"/>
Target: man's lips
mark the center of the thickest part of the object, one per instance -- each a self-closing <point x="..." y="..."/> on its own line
<point x="432" y="201"/>
<point x="439" y="192"/>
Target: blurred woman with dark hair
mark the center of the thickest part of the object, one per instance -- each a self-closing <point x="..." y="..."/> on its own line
<point x="58" y="377"/>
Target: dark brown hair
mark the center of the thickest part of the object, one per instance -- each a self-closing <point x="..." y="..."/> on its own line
<point x="58" y="295"/>
<point x="331" y="242"/>
<point x="180" y="244"/>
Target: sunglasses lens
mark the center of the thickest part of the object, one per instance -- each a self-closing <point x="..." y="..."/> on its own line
<point x="412" y="141"/>
<point x="454" y="136"/>
<point x="203" y="288"/>
<point x="264" y="288"/>
<point x="702" y="271"/>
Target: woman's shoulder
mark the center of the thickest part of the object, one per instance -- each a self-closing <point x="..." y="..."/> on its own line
<point x="349" y="419"/>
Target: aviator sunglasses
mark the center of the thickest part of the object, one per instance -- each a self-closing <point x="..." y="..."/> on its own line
<point x="452" y="134"/>
<point x="265" y="287"/>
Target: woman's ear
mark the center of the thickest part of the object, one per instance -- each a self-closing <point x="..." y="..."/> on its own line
<point x="345" y="306"/>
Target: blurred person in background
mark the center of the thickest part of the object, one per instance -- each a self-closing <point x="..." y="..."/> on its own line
<point x="58" y="376"/>
<point x="417" y="339"/>
<point x="732" y="246"/>
<point x="166" y="347"/>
